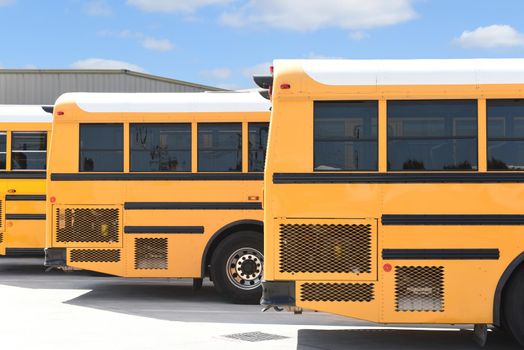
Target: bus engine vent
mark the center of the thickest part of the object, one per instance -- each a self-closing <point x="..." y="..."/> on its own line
<point x="339" y="248"/>
<point x="150" y="253"/>
<point x="95" y="255"/>
<point x="356" y="292"/>
<point x="419" y="288"/>
<point x="96" y="225"/>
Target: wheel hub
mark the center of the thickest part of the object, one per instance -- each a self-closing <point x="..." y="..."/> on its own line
<point x="244" y="268"/>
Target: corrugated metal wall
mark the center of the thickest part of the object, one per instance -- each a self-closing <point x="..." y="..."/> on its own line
<point x="44" y="87"/>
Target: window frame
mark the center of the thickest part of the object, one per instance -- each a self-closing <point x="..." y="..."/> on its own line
<point x="12" y="149"/>
<point x="518" y="139"/>
<point x="122" y="125"/>
<point x="189" y="124"/>
<point x="377" y="139"/>
<point x="241" y="147"/>
<point x="249" y="151"/>
<point x="476" y="138"/>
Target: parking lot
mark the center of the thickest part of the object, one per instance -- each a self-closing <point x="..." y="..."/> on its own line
<point x="83" y="310"/>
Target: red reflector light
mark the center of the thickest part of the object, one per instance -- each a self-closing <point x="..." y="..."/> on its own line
<point x="52" y="199"/>
<point x="285" y="86"/>
<point x="387" y="267"/>
<point x="271" y="69"/>
<point x="60" y="113"/>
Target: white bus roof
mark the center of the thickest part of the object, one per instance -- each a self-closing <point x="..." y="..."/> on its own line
<point x="24" y="114"/>
<point x="411" y="72"/>
<point x="168" y="102"/>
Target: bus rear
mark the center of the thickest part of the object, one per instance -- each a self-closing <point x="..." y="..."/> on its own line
<point x="23" y="153"/>
<point x="394" y="191"/>
<point x="160" y="186"/>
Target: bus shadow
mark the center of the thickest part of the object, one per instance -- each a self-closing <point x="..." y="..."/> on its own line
<point x="391" y="339"/>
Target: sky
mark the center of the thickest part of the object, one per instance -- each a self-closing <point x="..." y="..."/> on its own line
<point x="223" y="42"/>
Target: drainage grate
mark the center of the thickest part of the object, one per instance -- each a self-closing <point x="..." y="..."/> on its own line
<point x="353" y="292"/>
<point x="255" y="336"/>
<point x="419" y="288"/>
<point x="338" y="248"/>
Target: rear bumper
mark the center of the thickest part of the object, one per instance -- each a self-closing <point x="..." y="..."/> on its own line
<point x="278" y="293"/>
<point x="55" y="257"/>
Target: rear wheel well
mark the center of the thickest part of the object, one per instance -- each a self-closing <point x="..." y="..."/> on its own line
<point x="498" y="308"/>
<point x="226" y="231"/>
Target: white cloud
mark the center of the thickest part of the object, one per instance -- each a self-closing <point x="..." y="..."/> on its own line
<point x="162" y="45"/>
<point x="259" y="69"/>
<point x="218" y="73"/>
<point x="491" y="37"/>
<point x="173" y="6"/>
<point x="358" y="35"/>
<point x="311" y="15"/>
<point x="6" y="2"/>
<point x="147" y="42"/>
<point x="100" y="63"/>
<point x="98" y="8"/>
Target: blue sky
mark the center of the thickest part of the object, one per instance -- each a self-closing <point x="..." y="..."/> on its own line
<point x="223" y="42"/>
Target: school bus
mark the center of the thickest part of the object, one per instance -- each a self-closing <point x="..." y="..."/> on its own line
<point x="160" y="186"/>
<point x="394" y="190"/>
<point x="23" y="151"/>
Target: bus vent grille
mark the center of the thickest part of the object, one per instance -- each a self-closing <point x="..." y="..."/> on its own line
<point x="150" y="253"/>
<point x="95" y="255"/>
<point x="1" y="237"/>
<point x="419" y="288"/>
<point x="339" y="248"/>
<point x="1" y="214"/>
<point x="356" y="292"/>
<point x="87" y="225"/>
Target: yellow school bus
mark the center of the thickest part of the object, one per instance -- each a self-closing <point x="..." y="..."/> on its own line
<point x="394" y="190"/>
<point x="23" y="152"/>
<point x="160" y="186"/>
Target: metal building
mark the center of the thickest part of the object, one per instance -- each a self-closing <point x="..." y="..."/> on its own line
<point x="43" y="86"/>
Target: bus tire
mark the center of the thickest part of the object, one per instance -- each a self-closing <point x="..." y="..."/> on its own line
<point x="236" y="267"/>
<point x="514" y="306"/>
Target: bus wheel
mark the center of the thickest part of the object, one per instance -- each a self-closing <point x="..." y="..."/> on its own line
<point x="236" y="267"/>
<point x="514" y="306"/>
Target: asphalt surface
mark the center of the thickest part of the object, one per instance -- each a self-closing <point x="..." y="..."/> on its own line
<point x="85" y="310"/>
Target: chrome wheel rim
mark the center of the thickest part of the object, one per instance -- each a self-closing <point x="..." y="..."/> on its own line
<point x="244" y="268"/>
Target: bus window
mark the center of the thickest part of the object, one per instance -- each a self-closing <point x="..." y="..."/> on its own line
<point x="28" y="151"/>
<point x="160" y="147"/>
<point x="220" y="147"/>
<point x="258" y="133"/>
<point x="346" y="135"/>
<point x="101" y="147"/>
<point x="432" y="135"/>
<point x="3" y="150"/>
<point x="505" y="134"/>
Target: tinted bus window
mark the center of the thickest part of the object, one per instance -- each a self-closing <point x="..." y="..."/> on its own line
<point x="505" y="134"/>
<point x="101" y="147"/>
<point x="220" y="147"/>
<point x="432" y="135"/>
<point x="28" y="151"/>
<point x="345" y="135"/>
<point x="3" y="150"/>
<point x="258" y="133"/>
<point x="160" y="147"/>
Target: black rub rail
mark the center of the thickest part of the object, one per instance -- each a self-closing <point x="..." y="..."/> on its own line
<point x="165" y="229"/>
<point x="192" y="205"/>
<point x="440" y="254"/>
<point x="444" y="219"/>
<point x="157" y="177"/>
<point x="391" y="178"/>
